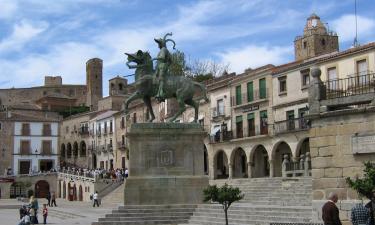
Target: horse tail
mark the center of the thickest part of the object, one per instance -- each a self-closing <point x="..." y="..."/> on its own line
<point x="204" y="91"/>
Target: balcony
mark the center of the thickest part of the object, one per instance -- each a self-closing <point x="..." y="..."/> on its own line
<point x="221" y="137"/>
<point x="219" y="113"/>
<point x="356" y="84"/>
<point x="121" y="145"/>
<point x="84" y="131"/>
<point x="245" y="99"/>
<point x="291" y="125"/>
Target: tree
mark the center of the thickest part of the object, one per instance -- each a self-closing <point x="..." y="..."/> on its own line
<point x="364" y="186"/>
<point x="198" y="70"/>
<point x="224" y="195"/>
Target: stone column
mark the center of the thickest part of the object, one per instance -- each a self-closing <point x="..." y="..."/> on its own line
<point x="317" y="91"/>
<point x="271" y="167"/>
<point x="230" y="170"/>
<point x="249" y="169"/>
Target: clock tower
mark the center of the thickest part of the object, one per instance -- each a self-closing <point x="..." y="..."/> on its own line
<point x="316" y="40"/>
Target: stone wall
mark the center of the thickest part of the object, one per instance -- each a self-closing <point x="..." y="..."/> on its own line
<point x="332" y="140"/>
<point x="6" y="140"/>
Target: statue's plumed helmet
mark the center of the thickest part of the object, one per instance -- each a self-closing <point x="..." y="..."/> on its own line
<point x="163" y="41"/>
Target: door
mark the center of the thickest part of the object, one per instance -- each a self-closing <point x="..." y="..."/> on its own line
<point x="41" y="189"/>
<point x="251" y="124"/>
<point x="24" y="167"/>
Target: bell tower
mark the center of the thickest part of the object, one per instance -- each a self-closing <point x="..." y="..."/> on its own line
<point x="316" y="40"/>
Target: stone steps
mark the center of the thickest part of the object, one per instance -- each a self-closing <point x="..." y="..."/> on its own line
<point x="148" y="214"/>
<point x="116" y="196"/>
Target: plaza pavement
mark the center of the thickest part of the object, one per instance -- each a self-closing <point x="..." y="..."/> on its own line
<point x="67" y="213"/>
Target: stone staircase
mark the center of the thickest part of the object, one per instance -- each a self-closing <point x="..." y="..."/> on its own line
<point x="266" y="201"/>
<point x="148" y="214"/>
<point x="116" y="196"/>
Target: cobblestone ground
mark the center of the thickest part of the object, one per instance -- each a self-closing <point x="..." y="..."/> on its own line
<point x="65" y="214"/>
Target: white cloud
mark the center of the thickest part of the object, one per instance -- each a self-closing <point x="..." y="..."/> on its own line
<point x="22" y="33"/>
<point x="345" y="27"/>
<point x="7" y="8"/>
<point x="254" y="56"/>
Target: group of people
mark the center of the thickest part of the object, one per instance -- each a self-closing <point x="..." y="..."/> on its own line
<point x="360" y="214"/>
<point x="29" y="212"/>
<point x="114" y="174"/>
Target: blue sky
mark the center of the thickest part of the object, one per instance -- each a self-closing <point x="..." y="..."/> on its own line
<point x="51" y="37"/>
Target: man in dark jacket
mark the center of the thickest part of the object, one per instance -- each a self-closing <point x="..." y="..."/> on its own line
<point x="330" y="212"/>
<point x="371" y="207"/>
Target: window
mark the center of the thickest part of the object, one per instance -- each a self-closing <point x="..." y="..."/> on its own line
<point x="239" y="127"/>
<point x="250" y="92"/>
<point x="25" y="147"/>
<point x="262" y="88"/>
<point x="134" y="117"/>
<point x="251" y="124"/>
<point x="46" y="147"/>
<point x="238" y="95"/>
<point x="24" y="167"/>
<point x="47" y="130"/>
<point x="67" y="129"/>
<point x="25" y="129"/>
<point x="110" y="127"/>
<point x="305" y="77"/>
<point x="304" y="44"/>
<point x="201" y="122"/>
<point x="332" y="78"/>
<point x="323" y="42"/>
<point x="122" y="122"/>
<point x="290" y="120"/>
<point x="122" y="140"/>
<point x="282" y="85"/>
<point x="302" y="122"/>
<point x="362" y="71"/>
<point x="120" y="87"/>
<point x="220" y="107"/>
<point x="105" y="127"/>
<point x="263" y="122"/>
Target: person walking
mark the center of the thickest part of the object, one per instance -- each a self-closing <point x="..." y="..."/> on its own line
<point x="330" y="212"/>
<point x="360" y="215"/>
<point x="45" y="213"/>
<point x="49" y="198"/>
<point x="53" y="199"/>
<point x="34" y="206"/>
<point x="95" y="197"/>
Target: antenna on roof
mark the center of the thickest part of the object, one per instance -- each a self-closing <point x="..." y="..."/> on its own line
<point x="355" y="42"/>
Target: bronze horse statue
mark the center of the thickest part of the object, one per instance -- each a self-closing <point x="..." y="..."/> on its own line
<point x="179" y="87"/>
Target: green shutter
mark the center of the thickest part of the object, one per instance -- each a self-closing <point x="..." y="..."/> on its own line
<point x="238" y="95"/>
<point x="250" y="116"/>
<point x="238" y="119"/>
<point x="262" y="88"/>
<point x="250" y="93"/>
<point x="263" y="114"/>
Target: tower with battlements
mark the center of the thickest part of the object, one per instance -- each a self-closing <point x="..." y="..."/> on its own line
<point x="94" y="82"/>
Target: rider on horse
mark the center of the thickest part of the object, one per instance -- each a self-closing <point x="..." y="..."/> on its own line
<point x="164" y="60"/>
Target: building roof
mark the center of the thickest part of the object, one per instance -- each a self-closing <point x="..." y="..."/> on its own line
<point x="105" y="114"/>
<point x="23" y="117"/>
<point x="322" y="58"/>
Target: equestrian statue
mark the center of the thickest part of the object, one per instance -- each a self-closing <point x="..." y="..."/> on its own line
<point x="160" y="83"/>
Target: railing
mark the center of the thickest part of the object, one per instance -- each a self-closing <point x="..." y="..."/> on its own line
<point x="84" y="131"/>
<point x="290" y="125"/>
<point x="226" y="136"/>
<point x="301" y="167"/>
<point x="217" y="111"/>
<point x="257" y="95"/>
<point x="121" y="145"/>
<point x="353" y="85"/>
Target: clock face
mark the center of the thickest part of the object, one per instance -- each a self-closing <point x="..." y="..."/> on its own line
<point x="314" y="22"/>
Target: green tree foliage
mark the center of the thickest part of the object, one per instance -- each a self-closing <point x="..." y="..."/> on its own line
<point x="178" y="66"/>
<point x="224" y="195"/>
<point x="364" y="186"/>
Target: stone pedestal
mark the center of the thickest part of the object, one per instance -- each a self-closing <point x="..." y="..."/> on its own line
<point x="166" y="164"/>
